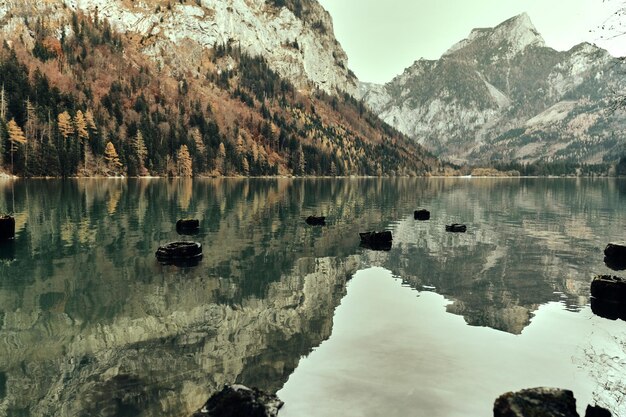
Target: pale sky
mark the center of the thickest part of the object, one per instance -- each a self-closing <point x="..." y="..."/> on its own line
<point x="383" y="37"/>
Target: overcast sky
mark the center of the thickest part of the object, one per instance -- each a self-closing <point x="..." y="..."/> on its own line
<point x="382" y="37"/>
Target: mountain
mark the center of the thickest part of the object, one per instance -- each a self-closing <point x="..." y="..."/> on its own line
<point x="94" y="87"/>
<point x="502" y="95"/>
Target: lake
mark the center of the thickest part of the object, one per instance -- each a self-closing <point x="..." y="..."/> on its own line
<point x="440" y="325"/>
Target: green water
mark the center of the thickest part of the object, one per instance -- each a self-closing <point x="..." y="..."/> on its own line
<point x="91" y="324"/>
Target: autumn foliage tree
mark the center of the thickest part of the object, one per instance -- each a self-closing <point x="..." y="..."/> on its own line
<point x="112" y="159"/>
<point x="16" y="137"/>
<point x="185" y="168"/>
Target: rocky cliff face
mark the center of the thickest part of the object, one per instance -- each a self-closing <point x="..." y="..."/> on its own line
<point x="295" y="37"/>
<point x="502" y="95"/>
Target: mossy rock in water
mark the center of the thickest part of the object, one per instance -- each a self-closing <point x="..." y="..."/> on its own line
<point x="180" y="253"/>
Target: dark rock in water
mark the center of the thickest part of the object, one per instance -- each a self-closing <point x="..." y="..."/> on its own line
<point x="376" y="237"/>
<point x="615" y="251"/>
<point x="608" y="309"/>
<point x="456" y="228"/>
<point x="179" y="253"/>
<point x="380" y="246"/>
<point x="240" y="401"/>
<point x="609" y="288"/>
<point x="376" y="240"/>
<point x="316" y="221"/>
<point x="7" y="227"/>
<point x="188" y="226"/>
<point x="421" y="214"/>
<point x="536" y="402"/>
<point x="615" y="264"/>
<point x="7" y="250"/>
<point x="595" y="411"/>
<point x="615" y="256"/>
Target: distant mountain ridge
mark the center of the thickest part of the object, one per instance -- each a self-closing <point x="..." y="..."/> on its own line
<point x="502" y="95"/>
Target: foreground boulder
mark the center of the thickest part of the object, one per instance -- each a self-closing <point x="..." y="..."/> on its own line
<point x="7" y="227"/>
<point x="240" y="401"/>
<point x="536" y="402"/>
<point x="615" y="256"/>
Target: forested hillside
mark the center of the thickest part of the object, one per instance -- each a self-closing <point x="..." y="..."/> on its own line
<point x="91" y="103"/>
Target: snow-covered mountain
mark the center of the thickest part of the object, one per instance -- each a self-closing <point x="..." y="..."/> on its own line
<point x="295" y="36"/>
<point x="503" y="95"/>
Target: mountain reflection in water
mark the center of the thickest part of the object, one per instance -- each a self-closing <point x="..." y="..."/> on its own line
<point x="91" y="324"/>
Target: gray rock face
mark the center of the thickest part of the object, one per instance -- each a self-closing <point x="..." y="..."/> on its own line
<point x="502" y="95"/>
<point x="298" y="42"/>
<point x="536" y="402"/>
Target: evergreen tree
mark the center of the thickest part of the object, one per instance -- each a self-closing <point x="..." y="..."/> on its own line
<point x="3" y="104"/>
<point x="142" y="152"/>
<point x="80" y="125"/>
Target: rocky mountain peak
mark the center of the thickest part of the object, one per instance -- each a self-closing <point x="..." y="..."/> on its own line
<point x="501" y="94"/>
<point x="295" y="36"/>
<point x="517" y="33"/>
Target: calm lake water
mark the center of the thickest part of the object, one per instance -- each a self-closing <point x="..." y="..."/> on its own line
<point x="440" y="325"/>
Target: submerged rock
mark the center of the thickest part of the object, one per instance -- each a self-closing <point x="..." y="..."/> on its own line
<point x="536" y="402"/>
<point x="240" y="401"/>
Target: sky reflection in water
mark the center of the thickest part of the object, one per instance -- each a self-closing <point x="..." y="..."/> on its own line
<point x="396" y="352"/>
